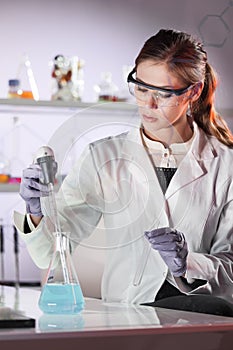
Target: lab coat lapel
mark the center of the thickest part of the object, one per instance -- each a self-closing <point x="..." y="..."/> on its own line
<point x="144" y="175"/>
<point x="194" y="165"/>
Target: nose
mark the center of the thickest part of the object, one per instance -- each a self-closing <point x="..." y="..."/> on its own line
<point x="151" y="101"/>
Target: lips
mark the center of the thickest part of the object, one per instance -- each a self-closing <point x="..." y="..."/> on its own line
<point x="149" y="119"/>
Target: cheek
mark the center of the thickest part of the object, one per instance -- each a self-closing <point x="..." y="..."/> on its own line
<point x="169" y="115"/>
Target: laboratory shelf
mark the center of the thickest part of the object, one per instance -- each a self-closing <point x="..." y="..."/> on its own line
<point x="5" y="187"/>
<point x="118" y="105"/>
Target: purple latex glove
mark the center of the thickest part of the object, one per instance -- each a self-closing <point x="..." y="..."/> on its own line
<point x="172" y="247"/>
<point x="32" y="188"/>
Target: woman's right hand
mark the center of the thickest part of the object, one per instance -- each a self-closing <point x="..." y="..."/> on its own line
<point x="32" y="188"/>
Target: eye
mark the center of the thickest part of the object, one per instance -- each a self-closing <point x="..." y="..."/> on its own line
<point x="165" y="94"/>
<point x="141" y="89"/>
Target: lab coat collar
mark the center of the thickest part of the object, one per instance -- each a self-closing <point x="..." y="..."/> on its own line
<point x="193" y="166"/>
<point x="202" y="148"/>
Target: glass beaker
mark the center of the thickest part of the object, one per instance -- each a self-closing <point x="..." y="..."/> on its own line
<point x="106" y="90"/>
<point x="61" y="293"/>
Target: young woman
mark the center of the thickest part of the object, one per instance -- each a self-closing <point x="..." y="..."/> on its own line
<point x="164" y="189"/>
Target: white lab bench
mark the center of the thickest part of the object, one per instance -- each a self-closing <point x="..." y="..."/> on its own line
<point x="113" y="326"/>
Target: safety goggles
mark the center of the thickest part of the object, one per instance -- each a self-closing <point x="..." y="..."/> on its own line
<point x="163" y="97"/>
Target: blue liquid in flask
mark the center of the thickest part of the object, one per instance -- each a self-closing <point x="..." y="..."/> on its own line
<point x="57" y="298"/>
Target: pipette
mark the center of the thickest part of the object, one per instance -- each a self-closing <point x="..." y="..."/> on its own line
<point x="45" y="158"/>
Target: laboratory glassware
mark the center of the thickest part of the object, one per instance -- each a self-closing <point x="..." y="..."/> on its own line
<point x="61" y="292"/>
<point x="14" y="90"/>
<point x="4" y="168"/>
<point x="106" y="90"/>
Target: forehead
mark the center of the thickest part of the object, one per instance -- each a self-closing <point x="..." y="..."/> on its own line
<point x="157" y="74"/>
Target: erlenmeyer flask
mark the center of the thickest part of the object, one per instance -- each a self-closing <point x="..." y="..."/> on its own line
<point x="25" y="75"/>
<point x="61" y="293"/>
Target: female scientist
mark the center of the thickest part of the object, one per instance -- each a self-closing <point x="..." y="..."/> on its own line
<point x="167" y="184"/>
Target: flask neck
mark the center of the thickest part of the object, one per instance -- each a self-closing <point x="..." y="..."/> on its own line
<point x="61" y="242"/>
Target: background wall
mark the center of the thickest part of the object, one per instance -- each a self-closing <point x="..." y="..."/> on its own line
<point x="108" y="34"/>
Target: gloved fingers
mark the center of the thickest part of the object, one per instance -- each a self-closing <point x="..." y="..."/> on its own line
<point x="172" y="252"/>
<point x="33" y="172"/>
<point x="165" y="240"/>
<point x="161" y="231"/>
<point x="30" y="188"/>
<point x="164" y="235"/>
<point x="28" y="194"/>
<point x="32" y="184"/>
<point x="165" y="247"/>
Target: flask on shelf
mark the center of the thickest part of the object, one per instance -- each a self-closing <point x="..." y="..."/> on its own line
<point x="14" y="90"/>
<point x="25" y="75"/>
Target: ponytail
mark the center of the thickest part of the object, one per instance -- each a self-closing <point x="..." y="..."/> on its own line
<point x="204" y="113"/>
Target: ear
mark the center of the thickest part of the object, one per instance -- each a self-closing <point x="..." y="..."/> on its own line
<point x="196" y="92"/>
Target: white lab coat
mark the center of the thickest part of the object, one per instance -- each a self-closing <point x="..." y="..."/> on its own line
<point x="114" y="178"/>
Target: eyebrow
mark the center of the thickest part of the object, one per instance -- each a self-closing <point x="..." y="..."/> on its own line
<point x="160" y="87"/>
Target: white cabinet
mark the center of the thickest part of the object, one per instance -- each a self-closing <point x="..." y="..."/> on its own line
<point x="27" y="125"/>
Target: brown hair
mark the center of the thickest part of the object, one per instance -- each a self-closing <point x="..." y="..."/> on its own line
<point x="186" y="58"/>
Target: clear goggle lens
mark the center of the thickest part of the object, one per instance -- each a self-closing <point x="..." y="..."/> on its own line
<point x="161" y="98"/>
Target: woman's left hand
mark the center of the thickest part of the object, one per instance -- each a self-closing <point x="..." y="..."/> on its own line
<point x="172" y="247"/>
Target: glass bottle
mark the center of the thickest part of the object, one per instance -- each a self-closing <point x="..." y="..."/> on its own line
<point x="4" y="168"/>
<point x="123" y="94"/>
<point x="106" y="90"/>
<point x="14" y="90"/>
<point x="61" y="293"/>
